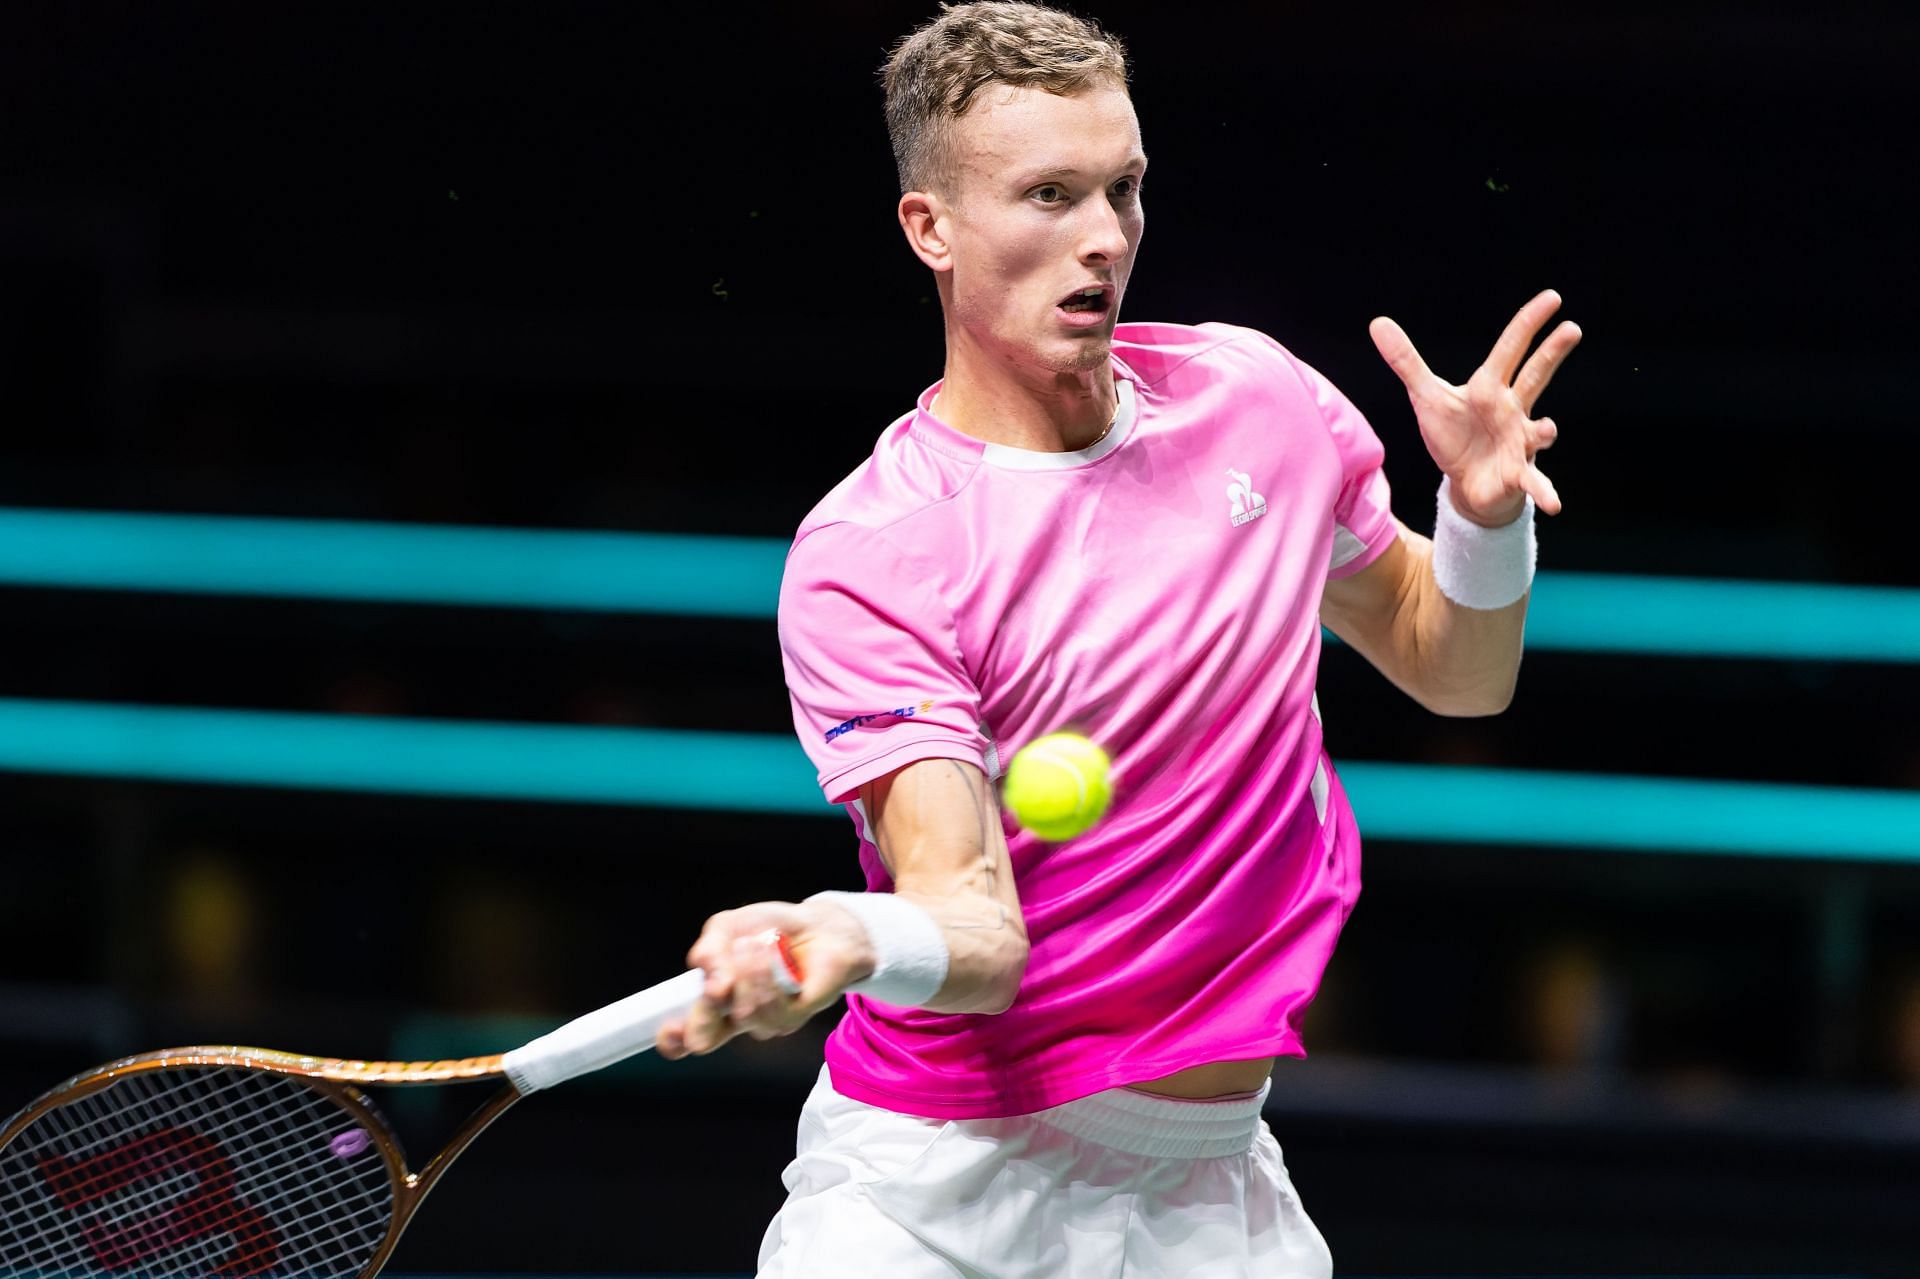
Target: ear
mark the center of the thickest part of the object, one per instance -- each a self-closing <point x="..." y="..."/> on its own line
<point x="924" y="218"/>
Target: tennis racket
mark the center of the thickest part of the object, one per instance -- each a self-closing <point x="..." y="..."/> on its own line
<point x="192" y="1163"/>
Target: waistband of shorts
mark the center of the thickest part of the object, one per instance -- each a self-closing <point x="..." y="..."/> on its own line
<point x="1139" y="1123"/>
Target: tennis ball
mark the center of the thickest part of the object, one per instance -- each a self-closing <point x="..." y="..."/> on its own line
<point x="1057" y="786"/>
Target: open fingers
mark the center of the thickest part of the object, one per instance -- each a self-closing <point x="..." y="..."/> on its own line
<point x="1504" y="360"/>
<point x="1543" y="363"/>
<point x="1397" y="349"/>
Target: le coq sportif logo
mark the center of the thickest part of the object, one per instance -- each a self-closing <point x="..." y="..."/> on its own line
<point x="1243" y="503"/>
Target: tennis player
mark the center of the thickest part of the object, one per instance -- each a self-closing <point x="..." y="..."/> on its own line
<point x="1053" y="1057"/>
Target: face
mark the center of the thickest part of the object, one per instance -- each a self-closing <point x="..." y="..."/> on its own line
<point x="1045" y="205"/>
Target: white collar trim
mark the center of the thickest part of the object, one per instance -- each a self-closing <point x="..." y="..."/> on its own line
<point x="1013" y="459"/>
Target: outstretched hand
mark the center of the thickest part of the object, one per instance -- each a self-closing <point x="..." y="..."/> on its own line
<point x="1483" y="435"/>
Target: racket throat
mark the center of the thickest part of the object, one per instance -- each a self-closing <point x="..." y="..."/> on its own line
<point x="419" y="1183"/>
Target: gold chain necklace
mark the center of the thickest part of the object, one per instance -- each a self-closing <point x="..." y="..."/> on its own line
<point x="1108" y="429"/>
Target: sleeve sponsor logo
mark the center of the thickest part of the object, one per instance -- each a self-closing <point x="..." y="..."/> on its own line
<point x="861" y="721"/>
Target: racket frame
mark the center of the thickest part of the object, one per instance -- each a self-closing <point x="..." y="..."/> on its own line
<point x="585" y="1044"/>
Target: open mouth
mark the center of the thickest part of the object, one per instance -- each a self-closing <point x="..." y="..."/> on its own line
<point x="1093" y="298"/>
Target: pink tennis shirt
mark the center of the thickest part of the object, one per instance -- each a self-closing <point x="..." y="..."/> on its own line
<point x="1160" y="592"/>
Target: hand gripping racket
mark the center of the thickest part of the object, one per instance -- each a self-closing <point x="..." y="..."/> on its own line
<point x="192" y="1163"/>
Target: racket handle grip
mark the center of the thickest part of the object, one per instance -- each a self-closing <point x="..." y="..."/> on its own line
<point x="603" y="1036"/>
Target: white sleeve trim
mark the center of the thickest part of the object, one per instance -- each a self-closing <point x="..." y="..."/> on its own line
<point x="1347" y="547"/>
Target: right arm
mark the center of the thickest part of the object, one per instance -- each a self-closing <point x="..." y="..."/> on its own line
<point x="937" y="825"/>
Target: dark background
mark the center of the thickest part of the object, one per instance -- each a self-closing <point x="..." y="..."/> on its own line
<point x="635" y="267"/>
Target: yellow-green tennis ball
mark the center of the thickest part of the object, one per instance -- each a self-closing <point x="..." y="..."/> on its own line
<point x="1057" y="786"/>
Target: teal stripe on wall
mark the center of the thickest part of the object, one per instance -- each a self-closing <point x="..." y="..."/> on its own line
<point x="706" y="576"/>
<point x="404" y="563"/>
<point x="1709" y="617"/>
<point x="552" y="762"/>
<point x="1657" y="814"/>
<point x="766" y="773"/>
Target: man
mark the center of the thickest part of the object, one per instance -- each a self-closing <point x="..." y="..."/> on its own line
<point x="1054" y="1056"/>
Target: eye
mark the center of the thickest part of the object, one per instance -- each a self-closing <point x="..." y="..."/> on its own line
<point x="1127" y="188"/>
<point x="1051" y="193"/>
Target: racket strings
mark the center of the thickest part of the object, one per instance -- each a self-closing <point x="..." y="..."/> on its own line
<point x="301" y="1201"/>
<point x="205" y="1198"/>
<point x="194" y="1171"/>
<point x="279" y="1189"/>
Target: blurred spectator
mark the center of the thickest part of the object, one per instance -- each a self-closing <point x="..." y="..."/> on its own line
<point x="1903" y="1028"/>
<point x="494" y="947"/>
<point x="1573" y="1009"/>
<point x="1336" y="1020"/>
<point x="609" y="704"/>
<point x="365" y="692"/>
<point x="211" y="916"/>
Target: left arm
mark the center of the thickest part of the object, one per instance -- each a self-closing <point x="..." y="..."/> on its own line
<point x="1453" y="659"/>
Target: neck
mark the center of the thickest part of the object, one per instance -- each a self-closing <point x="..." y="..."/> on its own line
<point x="1024" y="407"/>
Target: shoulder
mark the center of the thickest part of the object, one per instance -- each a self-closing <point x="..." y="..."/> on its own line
<point x="852" y="585"/>
<point x="886" y="531"/>
<point x="1180" y="360"/>
<point x="1169" y="355"/>
<point x="908" y="476"/>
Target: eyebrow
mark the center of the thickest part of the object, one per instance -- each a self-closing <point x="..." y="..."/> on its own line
<point x="1136" y="162"/>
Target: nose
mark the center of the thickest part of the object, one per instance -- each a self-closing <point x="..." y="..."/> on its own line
<point x="1102" y="235"/>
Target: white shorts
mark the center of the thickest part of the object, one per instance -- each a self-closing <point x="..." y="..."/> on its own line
<point x="1121" y="1183"/>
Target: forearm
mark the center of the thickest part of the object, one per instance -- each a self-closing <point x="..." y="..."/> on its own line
<point x="956" y="922"/>
<point x="986" y="951"/>
<point x="1458" y="660"/>
<point x="1451" y="658"/>
<point x="937" y="825"/>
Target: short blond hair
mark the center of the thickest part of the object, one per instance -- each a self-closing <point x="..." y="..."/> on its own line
<point x="934" y="74"/>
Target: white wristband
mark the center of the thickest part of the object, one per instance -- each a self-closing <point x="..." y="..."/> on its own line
<point x="909" y="954"/>
<point x="1477" y="566"/>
